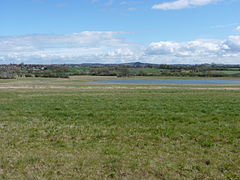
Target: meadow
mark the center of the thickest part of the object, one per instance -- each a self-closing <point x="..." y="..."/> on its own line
<point x="71" y="129"/>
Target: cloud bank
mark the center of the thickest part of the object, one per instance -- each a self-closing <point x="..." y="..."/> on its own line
<point x="199" y="51"/>
<point x="111" y="47"/>
<point x="181" y="4"/>
<point x="87" y="46"/>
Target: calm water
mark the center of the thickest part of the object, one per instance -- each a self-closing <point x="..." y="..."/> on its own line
<point x="169" y="81"/>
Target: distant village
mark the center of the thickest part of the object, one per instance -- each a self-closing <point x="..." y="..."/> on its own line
<point x="12" y="71"/>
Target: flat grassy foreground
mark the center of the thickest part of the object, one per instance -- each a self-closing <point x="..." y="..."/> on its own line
<point x="69" y="129"/>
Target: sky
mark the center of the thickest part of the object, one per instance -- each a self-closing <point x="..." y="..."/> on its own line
<point x="120" y="31"/>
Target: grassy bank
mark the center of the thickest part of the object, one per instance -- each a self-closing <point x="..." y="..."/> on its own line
<point x="56" y="129"/>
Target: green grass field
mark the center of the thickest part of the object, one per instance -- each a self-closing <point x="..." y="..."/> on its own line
<point x="227" y="72"/>
<point x="70" y="129"/>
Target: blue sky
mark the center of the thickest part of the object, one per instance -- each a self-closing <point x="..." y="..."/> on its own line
<point x="117" y="31"/>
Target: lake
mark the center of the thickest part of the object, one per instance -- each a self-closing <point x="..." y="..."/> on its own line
<point x="169" y="81"/>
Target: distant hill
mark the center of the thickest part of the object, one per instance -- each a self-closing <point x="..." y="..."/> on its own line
<point x="137" y="64"/>
<point x="133" y="64"/>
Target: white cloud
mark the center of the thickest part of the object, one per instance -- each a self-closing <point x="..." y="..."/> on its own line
<point x="110" y="47"/>
<point x="238" y="28"/>
<point x="191" y="48"/>
<point x="39" y="42"/>
<point x="87" y="46"/>
<point x="198" y="51"/>
<point x="181" y="4"/>
<point x="233" y="44"/>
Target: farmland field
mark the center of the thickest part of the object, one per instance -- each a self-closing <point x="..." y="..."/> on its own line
<point x="72" y="129"/>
